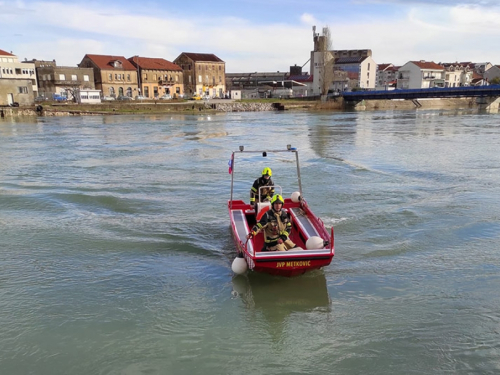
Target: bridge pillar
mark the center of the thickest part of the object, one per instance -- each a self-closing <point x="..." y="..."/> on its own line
<point x="361" y="106"/>
<point x="488" y="103"/>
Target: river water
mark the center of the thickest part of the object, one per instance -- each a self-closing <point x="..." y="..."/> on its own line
<point x="115" y="249"/>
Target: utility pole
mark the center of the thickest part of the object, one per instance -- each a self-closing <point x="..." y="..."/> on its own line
<point x="138" y="76"/>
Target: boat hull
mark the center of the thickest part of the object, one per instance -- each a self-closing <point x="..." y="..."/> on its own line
<point x="282" y="263"/>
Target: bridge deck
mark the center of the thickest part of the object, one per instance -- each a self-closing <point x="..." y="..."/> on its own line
<point x="448" y="92"/>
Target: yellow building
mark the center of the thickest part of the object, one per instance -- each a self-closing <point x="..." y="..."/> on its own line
<point x="114" y="75"/>
<point x="158" y="77"/>
<point x="204" y="74"/>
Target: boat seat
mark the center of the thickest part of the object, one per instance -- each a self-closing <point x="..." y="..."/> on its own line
<point x="303" y="222"/>
<point x="241" y="227"/>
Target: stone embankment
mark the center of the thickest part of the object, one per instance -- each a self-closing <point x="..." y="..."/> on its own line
<point x="242" y="107"/>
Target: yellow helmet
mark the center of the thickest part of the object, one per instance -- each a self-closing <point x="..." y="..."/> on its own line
<point x="277" y="199"/>
<point x="267" y="171"/>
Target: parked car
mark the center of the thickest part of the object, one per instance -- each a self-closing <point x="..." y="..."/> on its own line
<point x="124" y="98"/>
<point x="108" y="98"/>
<point x="40" y="98"/>
<point x="195" y="97"/>
<point x="206" y="97"/>
<point x="140" y="97"/>
<point x="58" y="98"/>
<point x="165" y="97"/>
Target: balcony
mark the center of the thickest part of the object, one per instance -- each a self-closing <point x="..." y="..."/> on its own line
<point x="166" y="82"/>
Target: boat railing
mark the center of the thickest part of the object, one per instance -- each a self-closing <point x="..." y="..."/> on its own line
<point x="270" y="186"/>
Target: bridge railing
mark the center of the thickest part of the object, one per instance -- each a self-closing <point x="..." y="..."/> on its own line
<point x="436" y="92"/>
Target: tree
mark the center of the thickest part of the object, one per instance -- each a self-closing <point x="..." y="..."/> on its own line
<point x="495" y="81"/>
<point x="72" y="93"/>
<point x="326" y="62"/>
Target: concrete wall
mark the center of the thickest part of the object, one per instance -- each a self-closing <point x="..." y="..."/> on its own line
<point x="10" y="91"/>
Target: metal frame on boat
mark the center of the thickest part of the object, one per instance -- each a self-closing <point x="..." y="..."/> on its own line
<point x="305" y="226"/>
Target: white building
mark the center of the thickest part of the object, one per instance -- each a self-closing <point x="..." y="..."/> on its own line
<point x="386" y="77"/>
<point x="88" y="96"/>
<point x="458" y="74"/>
<point x="492" y="73"/>
<point x="360" y="62"/>
<point x="420" y="75"/>
<point x="17" y="80"/>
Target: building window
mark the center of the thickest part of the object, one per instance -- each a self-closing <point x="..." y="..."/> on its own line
<point x="62" y="77"/>
<point x="86" y="77"/>
<point x="154" y="77"/>
<point x="189" y="79"/>
<point x="22" y="90"/>
<point x="199" y="78"/>
<point x="74" y="77"/>
<point x="128" y="77"/>
<point x="110" y="77"/>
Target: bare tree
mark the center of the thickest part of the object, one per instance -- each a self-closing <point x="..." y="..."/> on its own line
<point x="327" y="61"/>
<point x="72" y="93"/>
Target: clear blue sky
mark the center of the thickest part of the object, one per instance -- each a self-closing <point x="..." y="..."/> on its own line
<point x="252" y="35"/>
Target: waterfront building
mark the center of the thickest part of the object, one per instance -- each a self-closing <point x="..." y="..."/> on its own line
<point x="18" y="83"/>
<point x="386" y="77"/>
<point x="492" y="73"/>
<point x="61" y="81"/>
<point x="204" y="74"/>
<point x="340" y="70"/>
<point x="458" y="74"/>
<point x="420" y="75"/>
<point x="360" y="62"/>
<point x="158" y="77"/>
<point x="114" y="75"/>
<point x="253" y="85"/>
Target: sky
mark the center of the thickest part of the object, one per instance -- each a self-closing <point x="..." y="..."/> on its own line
<point x="252" y="35"/>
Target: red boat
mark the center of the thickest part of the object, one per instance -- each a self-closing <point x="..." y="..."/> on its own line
<point x="315" y="245"/>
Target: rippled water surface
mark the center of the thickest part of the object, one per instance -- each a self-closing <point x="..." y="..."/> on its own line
<point x="115" y="248"/>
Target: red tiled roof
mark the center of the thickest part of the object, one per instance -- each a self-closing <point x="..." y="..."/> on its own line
<point x="383" y="66"/>
<point x="106" y="61"/>
<point x="353" y="75"/>
<point x="427" y="65"/>
<point x="5" y="53"/>
<point x="202" y="57"/>
<point x="154" y="63"/>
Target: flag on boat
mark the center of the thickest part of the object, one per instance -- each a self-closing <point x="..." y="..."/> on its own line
<point x="230" y="163"/>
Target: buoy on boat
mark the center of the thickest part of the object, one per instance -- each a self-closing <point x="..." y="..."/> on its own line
<point x="262" y="208"/>
<point x="315" y="242"/>
<point x="239" y="265"/>
<point x="296" y="196"/>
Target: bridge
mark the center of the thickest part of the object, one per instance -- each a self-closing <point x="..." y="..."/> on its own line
<point x="410" y="94"/>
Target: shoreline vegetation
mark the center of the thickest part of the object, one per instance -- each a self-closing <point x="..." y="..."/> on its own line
<point x="215" y="106"/>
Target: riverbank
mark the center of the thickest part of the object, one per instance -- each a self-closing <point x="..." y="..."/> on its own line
<point x="151" y="107"/>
